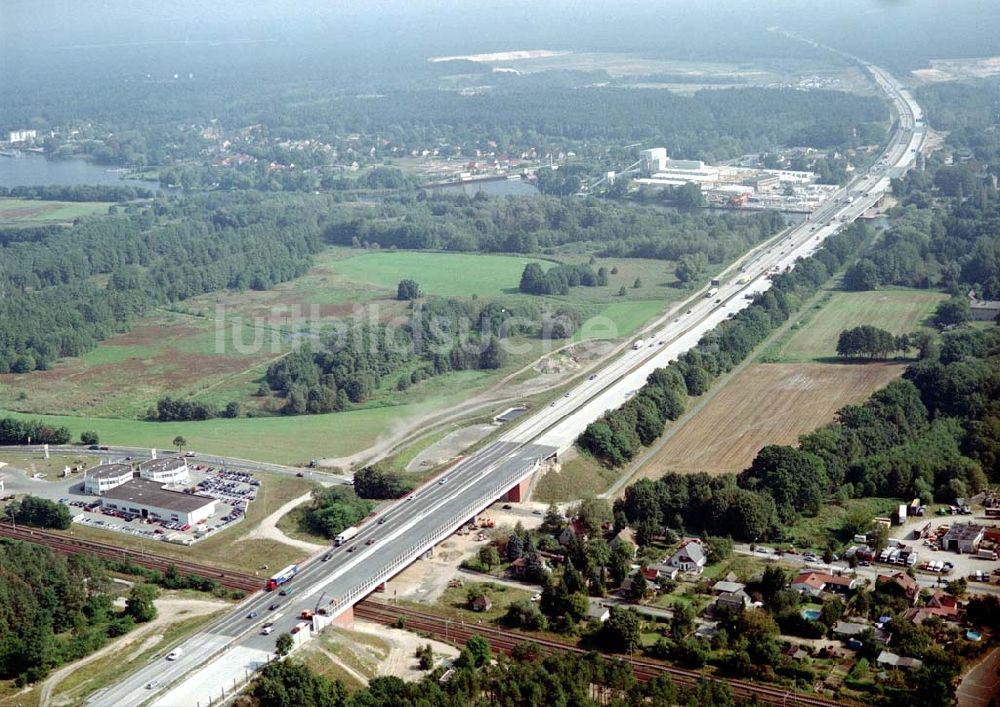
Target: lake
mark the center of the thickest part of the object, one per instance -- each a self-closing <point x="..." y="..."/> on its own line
<point x="32" y="169"/>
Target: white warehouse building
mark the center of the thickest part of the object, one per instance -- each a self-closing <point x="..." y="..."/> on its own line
<point x="103" y="478"/>
<point x="148" y="499"/>
<point x="169" y="470"/>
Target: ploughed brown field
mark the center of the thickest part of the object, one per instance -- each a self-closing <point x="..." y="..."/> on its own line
<point x="765" y="404"/>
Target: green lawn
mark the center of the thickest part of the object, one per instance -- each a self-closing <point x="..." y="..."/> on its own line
<point x="281" y="440"/>
<point x="35" y="211"/>
<point x="898" y="311"/>
<point x="445" y="274"/>
<point x="577" y="478"/>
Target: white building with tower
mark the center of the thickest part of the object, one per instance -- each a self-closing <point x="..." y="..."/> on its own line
<point x="101" y="479"/>
<point x="17" y="136"/>
<point x="169" y="470"/>
<point x="652" y="161"/>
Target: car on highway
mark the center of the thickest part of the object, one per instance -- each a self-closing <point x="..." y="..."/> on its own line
<point x="152" y="684"/>
<point x="285" y="592"/>
<point x="381" y="521"/>
<point x="175" y="654"/>
<point x="273" y="606"/>
<point x="370" y="541"/>
<point x="252" y="615"/>
<point x="351" y="548"/>
<point x="325" y="557"/>
<point x="592" y="377"/>
<point x="567" y="395"/>
<point x="718" y="300"/>
<point x="266" y="630"/>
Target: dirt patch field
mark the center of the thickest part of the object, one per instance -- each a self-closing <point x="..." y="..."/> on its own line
<point x="765" y="404"/>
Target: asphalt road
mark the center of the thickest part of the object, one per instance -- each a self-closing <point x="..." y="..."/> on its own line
<point x="234" y="645"/>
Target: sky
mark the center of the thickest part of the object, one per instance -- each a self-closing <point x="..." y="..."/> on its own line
<point x="72" y="38"/>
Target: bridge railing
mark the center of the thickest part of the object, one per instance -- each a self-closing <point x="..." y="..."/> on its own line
<point x="432" y="538"/>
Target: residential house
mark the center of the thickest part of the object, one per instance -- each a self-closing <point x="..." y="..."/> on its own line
<point x="663" y="571"/>
<point x="942" y="604"/>
<point x="737" y="601"/>
<point x="795" y="652"/>
<point x="626" y="535"/>
<point x="815" y="583"/>
<point x="598" y="612"/>
<point x="899" y="582"/>
<point x="689" y="558"/>
<point x="853" y="629"/>
<point x="891" y="660"/>
<point x="575" y="527"/>
<point x="726" y="587"/>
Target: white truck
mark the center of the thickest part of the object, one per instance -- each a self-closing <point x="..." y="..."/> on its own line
<point x="987" y="554"/>
<point x="346" y="535"/>
<point x="637" y="345"/>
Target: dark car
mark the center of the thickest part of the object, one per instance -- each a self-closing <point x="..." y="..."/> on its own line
<point x="381" y="521"/>
<point x="273" y="606"/>
<point x="326" y="557"/>
<point x="370" y="541"/>
<point x="351" y="548"/>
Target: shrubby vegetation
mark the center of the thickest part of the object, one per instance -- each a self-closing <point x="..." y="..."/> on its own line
<point x="78" y="192"/>
<point x="334" y="509"/>
<point x="378" y="482"/>
<point x="869" y="341"/>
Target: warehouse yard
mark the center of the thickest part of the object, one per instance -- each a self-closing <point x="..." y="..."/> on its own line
<point x="765" y="404"/>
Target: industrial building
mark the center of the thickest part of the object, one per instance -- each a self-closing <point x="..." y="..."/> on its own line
<point x="103" y="478"/>
<point x="148" y="499"/>
<point x="963" y="538"/>
<point x="169" y="470"/>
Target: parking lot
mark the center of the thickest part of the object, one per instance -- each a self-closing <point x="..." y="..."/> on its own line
<point x="233" y="491"/>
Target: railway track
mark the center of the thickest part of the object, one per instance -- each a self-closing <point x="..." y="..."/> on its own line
<point x="451" y="631"/>
<point x="75" y="546"/>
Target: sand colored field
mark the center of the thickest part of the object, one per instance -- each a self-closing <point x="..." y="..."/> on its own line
<point x="765" y="404"/>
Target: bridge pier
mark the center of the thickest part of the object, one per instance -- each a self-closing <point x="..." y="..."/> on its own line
<point x="519" y="492"/>
<point x="346" y="619"/>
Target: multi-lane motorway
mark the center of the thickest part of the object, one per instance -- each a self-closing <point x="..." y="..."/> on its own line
<point x="229" y="650"/>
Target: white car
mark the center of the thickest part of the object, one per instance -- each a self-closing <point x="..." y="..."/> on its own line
<point x="152" y="684"/>
<point x="175" y="654"/>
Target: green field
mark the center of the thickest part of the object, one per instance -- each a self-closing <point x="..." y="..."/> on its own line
<point x="898" y="311"/>
<point x="281" y="440"/>
<point x="444" y="274"/>
<point x="36" y="211"/>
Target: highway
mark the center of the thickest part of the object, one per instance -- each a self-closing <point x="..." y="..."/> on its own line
<point x="228" y="651"/>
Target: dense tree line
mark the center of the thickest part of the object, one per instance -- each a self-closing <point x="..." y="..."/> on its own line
<point x="509" y="225"/>
<point x="78" y="192"/>
<point x="54" y="305"/>
<point x="526" y="677"/>
<point x="53" y="610"/>
<point x="14" y="430"/>
<point x="40" y="513"/>
<point x="619" y="434"/>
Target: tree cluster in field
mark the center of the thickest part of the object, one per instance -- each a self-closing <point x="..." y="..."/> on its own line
<point x="78" y="192"/>
<point x="40" y="513"/>
<point x="172" y="579"/>
<point x="14" y="430"/>
<point x="55" y="610"/>
<point x="559" y="278"/>
<point x="526" y="677"/>
<point x="871" y="342"/>
<point x="932" y="435"/>
<point x="507" y="225"/>
<point x="79" y="285"/>
<point x="619" y="434"/>
<point x="334" y="509"/>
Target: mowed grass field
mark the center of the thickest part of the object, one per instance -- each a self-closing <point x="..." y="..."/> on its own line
<point x="35" y="211"/>
<point x="897" y="311"/>
<point x="279" y="439"/>
<point x="765" y="404"/>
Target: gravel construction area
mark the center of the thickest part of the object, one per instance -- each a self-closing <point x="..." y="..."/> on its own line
<point x="449" y="447"/>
